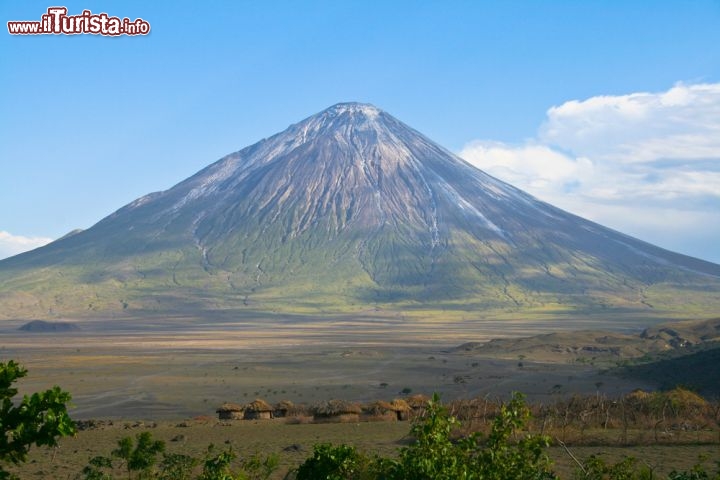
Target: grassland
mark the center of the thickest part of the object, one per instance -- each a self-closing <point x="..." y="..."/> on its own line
<point x="171" y="368"/>
<point x="293" y="443"/>
<point x="170" y="374"/>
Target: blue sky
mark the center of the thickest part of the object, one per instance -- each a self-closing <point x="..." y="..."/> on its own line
<point x="608" y="109"/>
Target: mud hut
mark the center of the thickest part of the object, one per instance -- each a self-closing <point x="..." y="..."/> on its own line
<point x="283" y="409"/>
<point x="417" y="403"/>
<point x="230" y="411"/>
<point x="339" y="411"/>
<point x="378" y="411"/>
<point x="401" y="409"/>
<point x="258" y="410"/>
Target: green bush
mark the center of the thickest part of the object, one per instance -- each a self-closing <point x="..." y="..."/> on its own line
<point x="217" y="467"/>
<point x="175" y="466"/>
<point x="330" y="462"/>
<point x="141" y="457"/>
<point x="595" y="468"/>
<point x="39" y="419"/>
<point x="698" y="472"/>
<point x="435" y="455"/>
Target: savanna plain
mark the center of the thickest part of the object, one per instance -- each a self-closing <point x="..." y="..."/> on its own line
<point x="168" y="375"/>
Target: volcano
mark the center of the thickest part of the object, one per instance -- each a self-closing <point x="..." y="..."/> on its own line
<point x="349" y="210"/>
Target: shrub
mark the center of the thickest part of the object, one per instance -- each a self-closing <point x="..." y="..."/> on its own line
<point x="140" y="460"/>
<point x="595" y="468"/>
<point x="698" y="472"/>
<point x="142" y="456"/>
<point x="330" y="462"/>
<point x="435" y="455"/>
<point x="39" y="419"/>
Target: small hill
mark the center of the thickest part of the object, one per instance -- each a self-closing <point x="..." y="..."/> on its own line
<point x="601" y="347"/>
<point x="42" y="326"/>
<point x="698" y="371"/>
<point x="569" y="346"/>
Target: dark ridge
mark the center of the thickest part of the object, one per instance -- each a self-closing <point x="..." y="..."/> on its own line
<point x="42" y="326"/>
<point x="699" y="371"/>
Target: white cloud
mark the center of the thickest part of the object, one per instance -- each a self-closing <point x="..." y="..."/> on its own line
<point x="682" y="123"/>
<point x="647" y="164"/>
<point x="14" y="244"/>
<point x="534" y="166"/>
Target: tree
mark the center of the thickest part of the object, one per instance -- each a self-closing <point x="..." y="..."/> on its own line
<point x="141" y="456"/>
<point x="434" y="455"/>
<point x="500" y="456"/>
<point x="39" y="419"/>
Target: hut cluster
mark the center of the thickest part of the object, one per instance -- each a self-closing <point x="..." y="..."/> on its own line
<point x="255" y="410"/>
<point x="327" y="411"/>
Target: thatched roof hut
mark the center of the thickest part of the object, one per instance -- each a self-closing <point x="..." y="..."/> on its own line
<point x="283" y="409"/>
<point x="230" y="411"/>
<point x="417" y="403"/>
<point x="258" y="410"/>
<point x="378" y="407"/>
<point x="378" y="411"/>
<point x="401" y="408"/>
<point x="336" y="411"/>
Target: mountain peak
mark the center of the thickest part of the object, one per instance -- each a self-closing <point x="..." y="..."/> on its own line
<point x="344" y="119"/>
<point x="345" y="210"/>
<point x="354" y="107"/>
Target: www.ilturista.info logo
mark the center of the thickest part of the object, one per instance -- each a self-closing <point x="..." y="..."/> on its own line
<point x="57" y="21"/>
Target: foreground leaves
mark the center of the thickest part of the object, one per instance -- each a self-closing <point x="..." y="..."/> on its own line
<point x="140" y="459"/>
<point x="39" y="419"/>
<point x="435" y="455"/>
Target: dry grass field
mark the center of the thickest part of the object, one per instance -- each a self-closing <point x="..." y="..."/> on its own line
<point x="181" y="368"/>
<point x="169" y="375"/>
<point x="294" y="443"/>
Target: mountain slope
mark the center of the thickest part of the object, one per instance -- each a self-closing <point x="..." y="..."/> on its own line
<point x="346" y="210"/>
